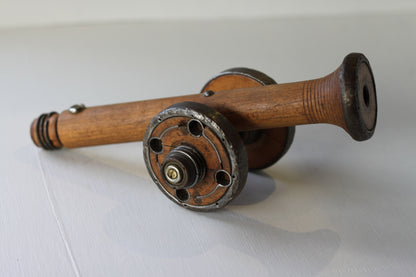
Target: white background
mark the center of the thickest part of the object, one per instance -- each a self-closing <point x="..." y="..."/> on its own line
<point x="50" y="12"/>
<point x="330" y="207"/>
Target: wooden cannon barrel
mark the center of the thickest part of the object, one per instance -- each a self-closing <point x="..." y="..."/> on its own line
<point x="346" y="98"/>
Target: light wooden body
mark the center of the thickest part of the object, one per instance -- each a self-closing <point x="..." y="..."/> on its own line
<point x="323" y="100"/>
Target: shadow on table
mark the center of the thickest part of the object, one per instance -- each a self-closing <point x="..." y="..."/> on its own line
<point x="259" y="186"/>
<point x="153" y="226"/>
<point x="175" y="233"/>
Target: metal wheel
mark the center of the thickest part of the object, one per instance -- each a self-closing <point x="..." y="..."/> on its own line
<point x="195" y="156"/>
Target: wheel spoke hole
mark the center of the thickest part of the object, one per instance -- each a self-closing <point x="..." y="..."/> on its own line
<point x="223" y="178"/>
<point x="182" y="194"/>
<point x="156" y="145"/>
<point x="195" y="127"/>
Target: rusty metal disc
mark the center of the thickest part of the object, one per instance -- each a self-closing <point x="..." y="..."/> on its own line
<point x="263" y="147"/>
<point x="195" y="156"/>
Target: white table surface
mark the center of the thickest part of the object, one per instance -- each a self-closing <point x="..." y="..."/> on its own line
<point x="330" y="207"/>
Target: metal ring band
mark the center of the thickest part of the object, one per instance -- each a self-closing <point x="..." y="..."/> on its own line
<point x="46" y="132"/>
<point x="42" y="132"/>
<point x="39" y="131"/>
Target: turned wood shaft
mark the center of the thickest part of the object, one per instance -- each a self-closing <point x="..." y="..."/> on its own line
<point x="345" y="98"/>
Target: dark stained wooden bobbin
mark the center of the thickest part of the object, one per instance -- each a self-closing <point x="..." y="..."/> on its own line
<point x="264" y="147"/>
<point x="195" y="156"/>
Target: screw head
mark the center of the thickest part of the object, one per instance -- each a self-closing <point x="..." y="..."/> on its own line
<point x="208" y="93"/>
<point x="74" y="109"/>
<point x="173" y="174"/>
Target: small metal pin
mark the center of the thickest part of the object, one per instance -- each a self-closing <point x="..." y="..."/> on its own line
<point x="173" y="174"/>
<point x="76" y="108"/>
<point x="208" y="93"/>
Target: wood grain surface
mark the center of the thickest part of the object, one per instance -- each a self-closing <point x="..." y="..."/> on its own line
<point x="271" y="106"/>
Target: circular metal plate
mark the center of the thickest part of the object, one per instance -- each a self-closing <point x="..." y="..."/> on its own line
<point x="209" y="133"/>
<point x="263" y="147"/>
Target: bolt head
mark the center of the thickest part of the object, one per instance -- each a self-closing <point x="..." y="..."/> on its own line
<point x="76" y="108"/>
<point x="208" y="93"/>
<point x="173" y="174"/>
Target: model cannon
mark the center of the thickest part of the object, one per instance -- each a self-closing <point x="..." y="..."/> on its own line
<point x="198" y="148"/>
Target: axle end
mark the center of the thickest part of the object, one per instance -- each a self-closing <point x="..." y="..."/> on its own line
<point x="359" y="100"/>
